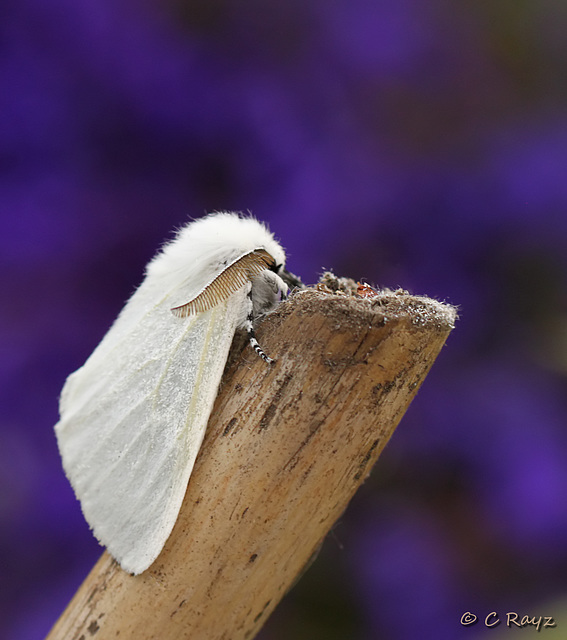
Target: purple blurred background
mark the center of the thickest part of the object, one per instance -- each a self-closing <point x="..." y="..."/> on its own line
<point x="412" y="144"/>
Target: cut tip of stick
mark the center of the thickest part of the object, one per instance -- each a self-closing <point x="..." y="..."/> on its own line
<point x="421" y="311"/>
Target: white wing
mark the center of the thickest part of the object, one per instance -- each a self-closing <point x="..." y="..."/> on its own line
<point x="134" y="416"/>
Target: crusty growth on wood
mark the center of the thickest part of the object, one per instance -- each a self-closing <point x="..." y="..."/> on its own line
<point x="286" y="448"/>
<point x="393" y="303"/>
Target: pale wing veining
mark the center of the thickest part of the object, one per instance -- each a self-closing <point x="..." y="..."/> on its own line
<point x="134" y="416"/>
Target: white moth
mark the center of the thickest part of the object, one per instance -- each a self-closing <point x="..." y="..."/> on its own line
<point x="133" y="417"/>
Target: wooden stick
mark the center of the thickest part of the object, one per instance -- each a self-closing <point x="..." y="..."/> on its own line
<point x="286" y="448"/>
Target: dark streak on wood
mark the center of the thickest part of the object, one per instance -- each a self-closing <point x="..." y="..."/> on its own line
<point x="273" y="406"/>
<point x="229" y="427"/>
<point x="262" y="612"/>
<point x="93" y="627"/>
<point x="294" y="459"/>
<point x="366" y="459"/>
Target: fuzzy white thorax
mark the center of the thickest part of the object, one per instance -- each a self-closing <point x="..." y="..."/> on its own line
<point x="200" y="249"/>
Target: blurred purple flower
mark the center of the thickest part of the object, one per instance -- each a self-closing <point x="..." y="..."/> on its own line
<point x="401" y="143"/>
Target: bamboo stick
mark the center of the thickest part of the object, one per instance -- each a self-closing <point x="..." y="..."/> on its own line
<point x="286" y="448"/>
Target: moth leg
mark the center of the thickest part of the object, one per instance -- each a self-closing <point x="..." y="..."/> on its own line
<point x="249" y="328"/>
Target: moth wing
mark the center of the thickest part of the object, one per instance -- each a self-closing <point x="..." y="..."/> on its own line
<point x="134" y="416"/>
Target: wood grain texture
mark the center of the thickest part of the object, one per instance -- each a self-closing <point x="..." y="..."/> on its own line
<point x="286" y="448"/>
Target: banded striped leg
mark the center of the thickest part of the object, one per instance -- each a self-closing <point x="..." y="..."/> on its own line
<point x="248" y="326"/>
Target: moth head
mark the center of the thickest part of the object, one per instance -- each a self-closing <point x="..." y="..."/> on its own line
<point x="292" y="281"/>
